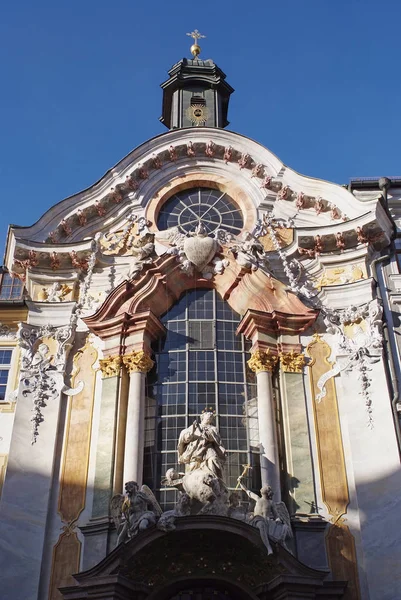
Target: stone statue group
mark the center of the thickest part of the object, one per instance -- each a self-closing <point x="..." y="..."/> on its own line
<point x="202" y="491"/>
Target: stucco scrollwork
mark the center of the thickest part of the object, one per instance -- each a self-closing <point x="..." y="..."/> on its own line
<point x="262" y="360"/>
<point x="270" y="226"/>
<point x="42" y="373"/>
<point x="357" y="351"/>
<point x="137" y="362"/>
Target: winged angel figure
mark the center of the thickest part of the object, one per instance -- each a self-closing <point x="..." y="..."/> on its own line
<point x="271" y="518"/>
<point x="136" y="511"/>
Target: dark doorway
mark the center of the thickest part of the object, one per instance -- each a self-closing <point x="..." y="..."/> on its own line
<point x="203" y="592"/>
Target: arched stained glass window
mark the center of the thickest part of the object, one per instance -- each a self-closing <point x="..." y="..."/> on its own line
<point x="200" y="363"/>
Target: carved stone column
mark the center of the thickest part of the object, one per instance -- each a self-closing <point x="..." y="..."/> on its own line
<point x="137" y="363"/>
<point x="263" y="362"/>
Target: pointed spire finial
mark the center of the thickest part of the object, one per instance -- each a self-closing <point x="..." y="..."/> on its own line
<point x="195" y="48"/>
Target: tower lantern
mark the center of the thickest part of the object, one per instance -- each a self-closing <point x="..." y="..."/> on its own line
<point x="196" y="93"/>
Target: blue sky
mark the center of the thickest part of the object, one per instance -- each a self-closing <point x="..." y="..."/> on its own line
<point x="317" y="82"/>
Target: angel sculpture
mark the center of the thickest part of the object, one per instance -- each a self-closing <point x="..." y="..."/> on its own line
<point x="271" y="518"/>
<point x="141" y="250"/>
<point x="249" y="253"/>
<point x="181" y="509"/>
<point x="135" y="512"/>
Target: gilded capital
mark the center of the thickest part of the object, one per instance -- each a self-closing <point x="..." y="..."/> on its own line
<point x="138" y="362"/>
<point x="262" y="360"/>
<point x="292" y="362"/>
<point x="110" y="366"/>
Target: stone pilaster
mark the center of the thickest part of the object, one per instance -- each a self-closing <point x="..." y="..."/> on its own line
<point x="296" y="432"/>
<point x="110" y="367"/>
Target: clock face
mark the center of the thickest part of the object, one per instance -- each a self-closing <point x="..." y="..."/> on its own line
<point x="198" y="114"/>
<point x="213" y="208"/>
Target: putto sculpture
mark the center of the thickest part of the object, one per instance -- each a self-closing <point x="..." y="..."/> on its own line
<point x="271" y="518"/>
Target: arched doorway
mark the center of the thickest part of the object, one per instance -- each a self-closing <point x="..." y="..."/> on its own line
<point x="203" y="589"/>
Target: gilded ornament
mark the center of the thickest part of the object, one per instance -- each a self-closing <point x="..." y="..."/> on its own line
<point x="195" y="48"/>
<point x="285" y="237"/>
<point x="292" y="362"/>
<point x="43" y="295"/>
<point x="110" y="366"/>
<point x="262" y="360"/>
<point x="138" y="362"/>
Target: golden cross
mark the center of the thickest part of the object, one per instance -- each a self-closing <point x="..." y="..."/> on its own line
<point x="196" y="35"/>
<point x="244" y="472"/>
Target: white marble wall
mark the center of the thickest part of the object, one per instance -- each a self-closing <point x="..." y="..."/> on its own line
<point x="25" y="502"/>
<point x="374" y="476"/>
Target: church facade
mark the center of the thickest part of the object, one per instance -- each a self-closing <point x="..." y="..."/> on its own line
<point x="200" y="374"/>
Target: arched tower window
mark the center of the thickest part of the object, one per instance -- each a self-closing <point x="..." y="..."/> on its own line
<point x="200" y="363"/>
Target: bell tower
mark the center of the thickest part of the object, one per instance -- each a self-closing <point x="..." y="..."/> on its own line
<point x="196" y="93"/>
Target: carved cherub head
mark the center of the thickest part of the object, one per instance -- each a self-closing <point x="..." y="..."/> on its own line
<point x="234" y="499"/>
<point x="201" y="230"/>
<point x="131" y="488"/>
<point x="207" y="418"/>
<point x="266" y="492"/>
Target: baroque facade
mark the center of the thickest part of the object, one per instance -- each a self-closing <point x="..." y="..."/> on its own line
<point x="200" y="375"/>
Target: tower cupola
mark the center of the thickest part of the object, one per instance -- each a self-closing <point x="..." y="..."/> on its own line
<point x="196" y="93"/>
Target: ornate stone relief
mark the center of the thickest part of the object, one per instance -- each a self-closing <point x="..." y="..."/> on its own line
<point x="354" y="349"/>
<point x="292" y="362"/>
<point x="7" y="333"/>
<point x="262" y="360"/>
<point x="341" y="275"/>
<point x="202" y="491"/>
<point x="110" y="366"/>
<point x="42" y="374"/>
<point x="137" y="362"/>
<point x="197" y="250"/>
<point x="293" y="269"/>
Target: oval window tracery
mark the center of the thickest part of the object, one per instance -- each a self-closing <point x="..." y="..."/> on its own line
<point x="214" y="208"/>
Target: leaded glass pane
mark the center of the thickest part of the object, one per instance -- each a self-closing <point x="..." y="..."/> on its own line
<point x="5" y="357"/>
<point x="200" y="364"/>
<point x="201" y="335"/>
<point x="200" y="305"/>
<point x="11" y="287"/>
<point x="171" y="367"/>
<point x="226" y="338"/>
<point x="230" y="366"/>
<point x="200" y="396"/>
